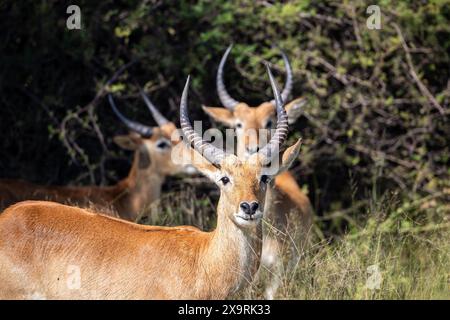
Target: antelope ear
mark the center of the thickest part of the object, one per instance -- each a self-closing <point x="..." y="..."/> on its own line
<point x="222" y="115"/>
<point x="290" y="155"/>
<point x="294" y="109"/>
<point x="128" y="142"/>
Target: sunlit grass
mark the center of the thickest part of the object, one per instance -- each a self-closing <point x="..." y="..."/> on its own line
<point x="394" y="249"/>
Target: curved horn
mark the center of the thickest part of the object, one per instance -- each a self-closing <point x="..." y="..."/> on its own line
<point x="143" y="130"/>
<point x="227" y="101"/>
<point x="289" y="77"/>
<point x="211" y="153"/>
<point x="270" y="149"/>
<point x="159" y="118"/>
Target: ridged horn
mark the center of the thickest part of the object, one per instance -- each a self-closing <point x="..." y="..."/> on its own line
<point x="289" y="77"/>
<point x="143" y="130"/>
<point x="159" y="118"/>
<point x="209" y="152"/>
<point x="226" y="100"/>
<point x="272" y="148"/>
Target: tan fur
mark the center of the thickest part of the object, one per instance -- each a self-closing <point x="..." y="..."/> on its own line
<point x="41" y="242"/>
<point x="127" y="198"/>
<point x="290" y="209"/>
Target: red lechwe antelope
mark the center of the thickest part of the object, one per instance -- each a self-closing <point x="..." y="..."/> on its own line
<point x="152" y="162"/>
<point x="42" y="244"/>
<point x="289" y="209"/>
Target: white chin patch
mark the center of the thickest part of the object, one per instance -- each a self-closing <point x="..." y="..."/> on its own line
<point x="244" y="219"/>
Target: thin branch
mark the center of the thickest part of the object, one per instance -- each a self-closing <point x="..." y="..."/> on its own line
<point x="89" y="108"/>
<point x="423" y="89"/>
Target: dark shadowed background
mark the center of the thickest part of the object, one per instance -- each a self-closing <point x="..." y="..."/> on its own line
<point x="376" y="125"/>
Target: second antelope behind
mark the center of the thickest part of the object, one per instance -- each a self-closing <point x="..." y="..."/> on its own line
<point x="289" y="211"/>
<point x="128" y="198"/>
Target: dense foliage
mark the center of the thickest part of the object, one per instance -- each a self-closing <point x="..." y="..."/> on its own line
<point x="376" y="124"/>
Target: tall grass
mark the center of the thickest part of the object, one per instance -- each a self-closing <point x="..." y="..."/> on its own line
<point x="375" y="265"/>
<point x="393" y="248"/>
<point x="400" y="251"/>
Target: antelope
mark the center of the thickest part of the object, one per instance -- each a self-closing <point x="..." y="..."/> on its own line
<point x="289" y="209"/>
<point x="117" y="259"/>
<point x="151" y="164"/>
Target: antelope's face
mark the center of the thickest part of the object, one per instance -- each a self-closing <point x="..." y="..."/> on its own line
<point x="154" y="152"/>
<point x="243" y="183"/>
<point x="243" y="187"/>
<point x="253" y="124"/>
<point x="160" y="147"/>
<point x="153" y="145"/>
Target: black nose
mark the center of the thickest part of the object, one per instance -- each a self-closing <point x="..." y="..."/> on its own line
<point x="249" y="208"/>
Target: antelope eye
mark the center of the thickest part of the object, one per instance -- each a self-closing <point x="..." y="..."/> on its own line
<point x="225" y="180"/>
<point x="239" y="125"/>
<point x="162" y="144"/>
<point x="269" y="124"/>
<point x="265" y="179"/>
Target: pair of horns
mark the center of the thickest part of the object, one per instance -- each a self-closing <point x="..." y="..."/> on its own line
<point x="142" y="129"/>
<point x="228" y="102"/>
<point x="215" y="155"/>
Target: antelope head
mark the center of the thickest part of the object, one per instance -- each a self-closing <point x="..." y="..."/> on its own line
<point x="252" y="124"/>
<point x="243" y="182"/>
<point x="153" y="145"/>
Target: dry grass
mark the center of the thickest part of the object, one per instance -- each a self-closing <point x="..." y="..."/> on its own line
<point x="407" y="242"/>
<point x="411" y="266"/>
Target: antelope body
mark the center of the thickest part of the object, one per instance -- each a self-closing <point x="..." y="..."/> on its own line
<point x="42" y="243"/>
<point x="117" y="259"/>
<point x="289" y="211"/>
<point x="151" y="164"/>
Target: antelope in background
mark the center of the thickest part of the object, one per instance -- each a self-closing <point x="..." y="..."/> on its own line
<point x="122" y="260"/>
<point x="152" y="162"/>
<point x="289" y="209"/>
